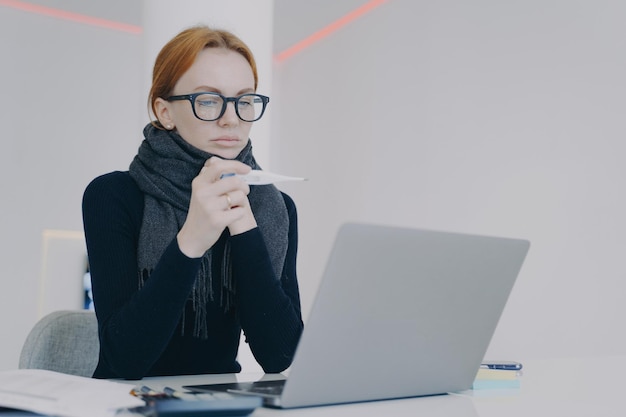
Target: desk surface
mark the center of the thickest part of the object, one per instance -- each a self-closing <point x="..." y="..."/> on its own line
<point x="560" y="387"/>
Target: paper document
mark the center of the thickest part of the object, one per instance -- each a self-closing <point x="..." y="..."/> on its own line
<point x="58" y="394"/>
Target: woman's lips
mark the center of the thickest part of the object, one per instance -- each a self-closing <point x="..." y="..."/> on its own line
<point x="226" y="140"/>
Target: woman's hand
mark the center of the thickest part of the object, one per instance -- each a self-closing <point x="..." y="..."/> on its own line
<point x="216" y="203"/>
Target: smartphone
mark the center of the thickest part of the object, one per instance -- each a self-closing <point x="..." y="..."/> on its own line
<point x="506" y="365"/>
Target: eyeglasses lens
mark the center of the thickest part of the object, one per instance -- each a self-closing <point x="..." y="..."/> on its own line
<point x="209" y="106"/>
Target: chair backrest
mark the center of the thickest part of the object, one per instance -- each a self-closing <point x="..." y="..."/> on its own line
<point x="63" y="341"/>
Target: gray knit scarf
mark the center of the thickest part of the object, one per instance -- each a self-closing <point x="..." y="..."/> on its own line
<point x="164" y="167"/>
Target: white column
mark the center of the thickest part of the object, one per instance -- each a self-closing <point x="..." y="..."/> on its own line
<point x="251" y="20"/>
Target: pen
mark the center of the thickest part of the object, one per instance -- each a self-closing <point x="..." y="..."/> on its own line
<point x="147" y="392"/>
<point x="171" y="392"/>
<point x="181" y="395"/>
<point x="503" y="365"/>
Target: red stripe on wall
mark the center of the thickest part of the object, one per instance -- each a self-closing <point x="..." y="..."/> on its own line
<point x="329" y="29"/>
<point x="71" y="16"/>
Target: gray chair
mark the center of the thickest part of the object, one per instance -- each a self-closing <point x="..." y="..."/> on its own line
<point x="63" y="341"/>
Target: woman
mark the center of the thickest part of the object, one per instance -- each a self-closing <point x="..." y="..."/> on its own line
<point x="183" y="255"/>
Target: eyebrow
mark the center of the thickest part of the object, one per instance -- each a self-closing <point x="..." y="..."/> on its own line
<point x="205" y="88"/>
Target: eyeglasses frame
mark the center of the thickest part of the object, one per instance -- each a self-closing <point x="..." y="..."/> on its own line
<point x="192" y="98"/>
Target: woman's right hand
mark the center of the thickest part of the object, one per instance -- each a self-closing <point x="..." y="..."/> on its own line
<point x="216" y="203"/>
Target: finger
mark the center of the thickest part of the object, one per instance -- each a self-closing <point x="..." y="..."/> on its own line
<point x="229" y="201"/>
<point x="234" y="199"/>
<point x="210" y="177"/>
<point x="218" y="168"/>
<point x="212" y="161"/>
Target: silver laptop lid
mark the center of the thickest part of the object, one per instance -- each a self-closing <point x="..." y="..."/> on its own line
<point x="401" y="313"/>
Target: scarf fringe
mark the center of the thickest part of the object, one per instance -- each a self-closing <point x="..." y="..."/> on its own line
<point x="227" y="286"/>
<point x="202" y="292"/>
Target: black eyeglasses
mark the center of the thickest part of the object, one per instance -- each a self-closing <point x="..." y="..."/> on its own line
<point x="211" y="106"/>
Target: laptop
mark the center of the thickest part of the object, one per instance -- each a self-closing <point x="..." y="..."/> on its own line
<point x="399" y="313"/>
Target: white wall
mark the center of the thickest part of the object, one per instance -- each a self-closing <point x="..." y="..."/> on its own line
<point x="499" y="118"/>
<point x="70" y="110"/>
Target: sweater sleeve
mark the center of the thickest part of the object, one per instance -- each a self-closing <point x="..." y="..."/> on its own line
<point x="269" y="308"/>
<point x="134" y="326"/>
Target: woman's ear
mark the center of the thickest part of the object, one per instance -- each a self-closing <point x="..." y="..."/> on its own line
<point x="162" y="109"/>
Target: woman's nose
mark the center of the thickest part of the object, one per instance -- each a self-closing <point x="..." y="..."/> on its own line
<point x="230" y="115"/>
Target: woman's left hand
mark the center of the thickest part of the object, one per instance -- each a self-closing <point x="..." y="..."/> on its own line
<point x="217" y="201"/>
<point x="237" y="199"/>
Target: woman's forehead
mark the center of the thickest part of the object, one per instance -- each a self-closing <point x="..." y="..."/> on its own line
<point x="218" y="69"/>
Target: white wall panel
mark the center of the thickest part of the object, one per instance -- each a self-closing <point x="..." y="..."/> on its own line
<point x="500" y="118"/>
<point x="70" y="110"/>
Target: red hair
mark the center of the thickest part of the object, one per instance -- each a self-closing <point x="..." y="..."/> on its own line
<point x="179" y="54"/>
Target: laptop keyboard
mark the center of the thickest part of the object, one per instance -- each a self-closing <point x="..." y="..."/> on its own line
<point x="274" y="387"/>
<point x="268" y="387"/>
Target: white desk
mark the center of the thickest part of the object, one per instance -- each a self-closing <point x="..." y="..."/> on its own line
<point x="589" y="387"/>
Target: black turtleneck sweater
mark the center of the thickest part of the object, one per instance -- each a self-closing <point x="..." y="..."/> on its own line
<point x="141" y="330"/>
